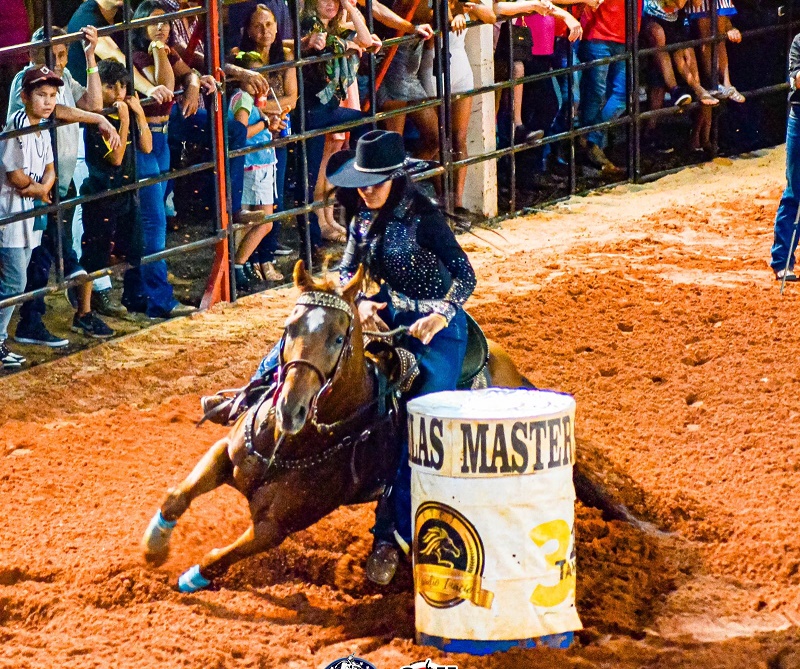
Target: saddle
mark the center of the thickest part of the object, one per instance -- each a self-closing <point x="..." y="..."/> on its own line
<point x="477" y="356"/>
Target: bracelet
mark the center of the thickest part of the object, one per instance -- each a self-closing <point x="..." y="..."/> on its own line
<point x="92" y="70"/>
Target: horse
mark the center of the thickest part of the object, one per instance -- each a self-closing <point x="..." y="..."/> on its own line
<point x="437" y="542"/>
<point x="326" y="436"/>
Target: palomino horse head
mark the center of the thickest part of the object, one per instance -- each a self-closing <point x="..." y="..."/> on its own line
<point x="316" y="346"/>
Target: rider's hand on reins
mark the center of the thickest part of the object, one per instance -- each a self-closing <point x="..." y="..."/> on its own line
<point x="426" y="328"/>
<point x="368" y="314"/>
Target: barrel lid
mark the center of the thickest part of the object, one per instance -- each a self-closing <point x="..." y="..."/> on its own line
<point x="492" y="403"/>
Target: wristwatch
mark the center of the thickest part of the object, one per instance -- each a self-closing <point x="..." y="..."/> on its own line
<point x="158" y="44"/>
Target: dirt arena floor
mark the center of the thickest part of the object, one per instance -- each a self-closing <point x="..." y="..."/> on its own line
<point x="652" y="304"/>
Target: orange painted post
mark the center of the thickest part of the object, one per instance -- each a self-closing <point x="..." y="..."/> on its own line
<point x="218" y="288"/>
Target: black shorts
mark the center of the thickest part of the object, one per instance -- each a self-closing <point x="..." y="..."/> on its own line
<point x="674" y="31"/>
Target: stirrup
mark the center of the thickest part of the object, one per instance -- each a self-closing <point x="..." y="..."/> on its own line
<point x="382" y="562"/>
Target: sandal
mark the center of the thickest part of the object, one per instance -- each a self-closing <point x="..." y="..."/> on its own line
<point x="269" y="272"/>
<point x="735" y="95"/>
<point x="708" y="100"/>
<point x="331" y="234"/>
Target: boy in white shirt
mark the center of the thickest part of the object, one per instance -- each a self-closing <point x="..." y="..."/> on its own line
<point x="26" y="174"/>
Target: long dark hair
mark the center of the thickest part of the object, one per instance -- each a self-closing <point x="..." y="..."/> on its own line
<point x="276" y="54"/>
<point x="139" y="39"/>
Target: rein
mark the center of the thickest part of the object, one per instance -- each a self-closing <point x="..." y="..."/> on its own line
<point x="327" y="301"/>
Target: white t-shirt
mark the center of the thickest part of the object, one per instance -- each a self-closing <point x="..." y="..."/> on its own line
<point x="31" y="153"/>
<point x="69" y="137"/>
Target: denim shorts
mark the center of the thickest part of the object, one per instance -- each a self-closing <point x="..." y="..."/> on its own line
<point x="403" y="78"/>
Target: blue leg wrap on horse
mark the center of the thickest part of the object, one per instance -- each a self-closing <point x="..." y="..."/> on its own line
<point x="192" y="580"/>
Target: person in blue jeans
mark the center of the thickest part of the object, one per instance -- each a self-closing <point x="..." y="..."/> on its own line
<point x="604" y="91"/>
<point x="786" y="219"/>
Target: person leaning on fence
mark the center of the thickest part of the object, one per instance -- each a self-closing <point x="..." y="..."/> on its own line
<point x="264" y="34"/>
<point x="27" y="176"/>
<point x="75" y="103"/>
<point x="326" y="84"/>
<point x="114" y="222"/>
<point x="161" y="66"/>
<point x="604" y="88"/>
<point x="258" y="192"/>
<point x="786" y="220"/>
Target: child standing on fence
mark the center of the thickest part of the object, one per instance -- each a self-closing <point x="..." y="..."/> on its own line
<point x="26" y="175"/>
<point x="259" y="190"/>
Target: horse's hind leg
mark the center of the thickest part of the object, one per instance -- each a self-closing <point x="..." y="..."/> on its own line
<point x="255" y="539"/>
<point x="214" y="469"/>
<point x="503" y="373"/>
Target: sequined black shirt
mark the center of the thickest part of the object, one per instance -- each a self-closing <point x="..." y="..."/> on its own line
<point x="417" y="255"/>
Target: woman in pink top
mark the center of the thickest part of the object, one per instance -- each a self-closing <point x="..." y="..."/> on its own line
<point x="14" y="29"/>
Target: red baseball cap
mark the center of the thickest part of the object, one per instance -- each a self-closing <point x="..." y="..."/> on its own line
<point x="40" y="74"/>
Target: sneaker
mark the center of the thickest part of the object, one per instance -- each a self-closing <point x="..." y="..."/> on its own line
<point x="104" y="304"/>
<point x="283" y="251"/>
<point x="786" y="275"/>
<point x="680" y="98"/>
<point x="38" y="335"/>
<point x="181" y="310"/>
<point x="91" y="326"/>
<point x="242" y="282"/>
<point x="9" y="359"/>
<point x="524" y="136"/>
<point x="253" y="275"/>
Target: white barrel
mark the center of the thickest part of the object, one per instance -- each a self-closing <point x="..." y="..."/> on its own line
<point x="493" y="510"/>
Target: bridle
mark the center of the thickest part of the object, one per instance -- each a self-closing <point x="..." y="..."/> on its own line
<point x="318" y="298"/>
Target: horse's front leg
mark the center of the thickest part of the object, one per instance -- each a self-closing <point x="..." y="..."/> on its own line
<point x="256" y="538"/>
<point x="214" y="469"/>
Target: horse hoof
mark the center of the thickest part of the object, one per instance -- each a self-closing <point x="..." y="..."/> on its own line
<point x="192" y="580"/>
<point x="155" y="542"/>
<point x="382" y="563"/>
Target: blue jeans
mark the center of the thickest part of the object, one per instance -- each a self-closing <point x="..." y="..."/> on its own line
<point x="42" y="259"/>
<point x="440" y="368"/>
<point x="155" y="298"/>
<point x="13" y="267"/>
<point x="604" y="89"/>
<point x="785" y="220"/>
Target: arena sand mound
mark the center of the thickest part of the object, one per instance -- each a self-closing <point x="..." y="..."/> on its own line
<point x="652" y="304"/>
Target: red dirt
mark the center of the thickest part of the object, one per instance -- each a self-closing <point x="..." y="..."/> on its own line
<point x="662" y="320"/>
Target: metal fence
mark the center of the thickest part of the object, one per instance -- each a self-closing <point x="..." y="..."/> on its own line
<point x="221" y="237"/>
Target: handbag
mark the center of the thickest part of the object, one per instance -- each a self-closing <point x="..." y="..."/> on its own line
<point x="521" y="42"/>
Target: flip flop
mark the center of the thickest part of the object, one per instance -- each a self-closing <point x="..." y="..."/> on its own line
<point x="708" y="100"/>
<point x="735" y="95"/>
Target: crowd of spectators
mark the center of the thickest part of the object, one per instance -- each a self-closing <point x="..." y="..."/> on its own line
<point x="155" y="117"/>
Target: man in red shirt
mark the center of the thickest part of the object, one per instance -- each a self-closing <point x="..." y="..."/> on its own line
<point x="604" y="91"/>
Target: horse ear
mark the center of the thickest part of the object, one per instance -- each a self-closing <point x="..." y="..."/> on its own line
<point x="354" y="285"/>
<point x="302" y="279"/>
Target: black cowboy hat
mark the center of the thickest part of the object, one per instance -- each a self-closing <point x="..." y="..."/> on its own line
<point x="378" y="156"/>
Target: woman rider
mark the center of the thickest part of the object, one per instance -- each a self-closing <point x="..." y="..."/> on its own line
<point x="424" y="277"/>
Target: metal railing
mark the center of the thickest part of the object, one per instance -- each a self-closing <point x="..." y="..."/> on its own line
<point x="220" y="284"/>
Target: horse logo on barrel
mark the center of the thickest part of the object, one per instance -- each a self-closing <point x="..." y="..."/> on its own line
<point x="438" y="542"/>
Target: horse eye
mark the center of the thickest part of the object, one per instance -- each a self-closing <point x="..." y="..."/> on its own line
<point x="340" y="339"/>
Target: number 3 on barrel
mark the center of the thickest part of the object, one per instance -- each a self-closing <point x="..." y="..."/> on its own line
<point x="552" y="595"/>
